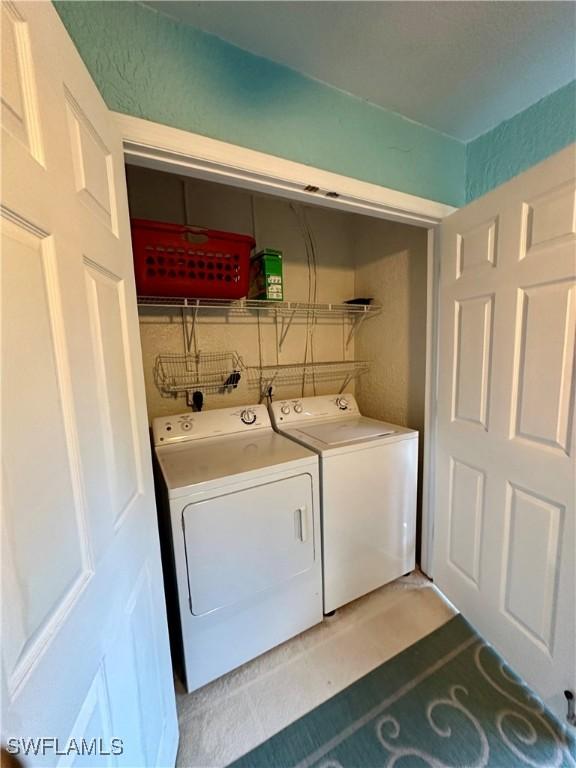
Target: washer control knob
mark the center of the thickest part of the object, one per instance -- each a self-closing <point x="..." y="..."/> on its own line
<point x="342" y="403"/>
<point x="248" y="416"/>
<point x="285" y="409"/>
<point x="298" y="407"/>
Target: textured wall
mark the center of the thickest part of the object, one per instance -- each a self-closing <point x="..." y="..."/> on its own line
<point x="161" y="196"/>
<point x="516" y="144"/>
<point x="149" y="66"/>
<point x="391" y="267"/>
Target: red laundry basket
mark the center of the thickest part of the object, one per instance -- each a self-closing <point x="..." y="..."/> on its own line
<point x="187" y="261"/>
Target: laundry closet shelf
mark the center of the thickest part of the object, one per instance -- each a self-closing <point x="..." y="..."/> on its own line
<point x="285" y="312"/>
<point x="344" y="371"/>
<point x="248" y="305"/>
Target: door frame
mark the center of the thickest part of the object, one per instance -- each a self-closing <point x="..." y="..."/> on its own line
<point x="157" y="146"/>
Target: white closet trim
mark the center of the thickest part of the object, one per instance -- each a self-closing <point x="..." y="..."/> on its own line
<point x="158" y="146"/>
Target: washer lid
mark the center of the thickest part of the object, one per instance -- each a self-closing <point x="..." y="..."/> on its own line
<point x="347" y="430"/>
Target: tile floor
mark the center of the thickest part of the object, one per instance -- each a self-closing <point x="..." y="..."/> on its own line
<point x="235" y="713"/>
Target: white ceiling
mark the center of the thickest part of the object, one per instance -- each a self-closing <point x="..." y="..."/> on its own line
<point x="459" y="67"/>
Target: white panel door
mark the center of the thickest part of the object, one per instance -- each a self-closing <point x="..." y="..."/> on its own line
<point x="504" y="545"/>
<point x="85" y="651"/>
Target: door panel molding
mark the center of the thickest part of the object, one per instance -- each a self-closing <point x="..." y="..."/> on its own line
<point x="25" y="241"/>
<point x="538" y="563"/>
<point x="466" y="518"/>
<point x="548" y="219"/>
<point x="542" y="400"/>
<point x="476" y="249"/>
<point x="93" y="165"/>
<point x="19" y="101"/>
<point x="472" y="359"/>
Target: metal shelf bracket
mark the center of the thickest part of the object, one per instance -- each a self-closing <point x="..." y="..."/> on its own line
<point x="286" y="322"/>
<point x="189" y="312"/>
<point x="357" y="320"/>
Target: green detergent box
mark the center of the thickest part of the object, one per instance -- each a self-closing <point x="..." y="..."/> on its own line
<point x="266" y="275"/>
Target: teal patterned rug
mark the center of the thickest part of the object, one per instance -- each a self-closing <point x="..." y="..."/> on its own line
<point x="449" y="701"/>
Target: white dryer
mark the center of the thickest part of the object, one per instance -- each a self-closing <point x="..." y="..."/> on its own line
<point x="244" y="514"/>
<point x="368" y="473"/>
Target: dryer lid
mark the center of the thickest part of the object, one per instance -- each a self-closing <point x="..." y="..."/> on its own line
<point x="185" y="465"/>
<point x="348" y="430"/>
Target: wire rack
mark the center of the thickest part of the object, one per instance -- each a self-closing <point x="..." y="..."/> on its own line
<point x="247" y="305"/>
<point x="298" y="373"/>
<point x="206" y="371"/>
<point x="285" y="312"/>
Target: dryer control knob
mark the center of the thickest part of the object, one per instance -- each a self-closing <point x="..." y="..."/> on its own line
<point x="285" y="409"/>
<point x="342" y="403"/>
<point x="248" y="416"/>
<point x="298" y="407"/>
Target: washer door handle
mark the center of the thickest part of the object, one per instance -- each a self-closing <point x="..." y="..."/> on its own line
<point x="301" y="523"/>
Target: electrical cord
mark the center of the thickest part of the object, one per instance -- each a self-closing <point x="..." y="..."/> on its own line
<point x="312" y="262"/>
<point x="312" y="246"/>
<point x="260" y="349"/>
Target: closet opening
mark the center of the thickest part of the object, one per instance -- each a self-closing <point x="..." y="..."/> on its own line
<point x="329" y="257"/>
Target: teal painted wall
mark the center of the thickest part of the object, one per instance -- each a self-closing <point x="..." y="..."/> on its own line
<point x="519" y="143"/>
<point x="149" y="66"/>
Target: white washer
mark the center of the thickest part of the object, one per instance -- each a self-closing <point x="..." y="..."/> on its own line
<point x="368" y="473"/>
<point x="244" y="514"/>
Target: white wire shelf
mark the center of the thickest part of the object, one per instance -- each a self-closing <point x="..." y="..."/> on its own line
<point x="250" y="305"/>
<point x="205" y="371"/>
<point x="344" y="371"/>
<point x="284" y="311"/>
